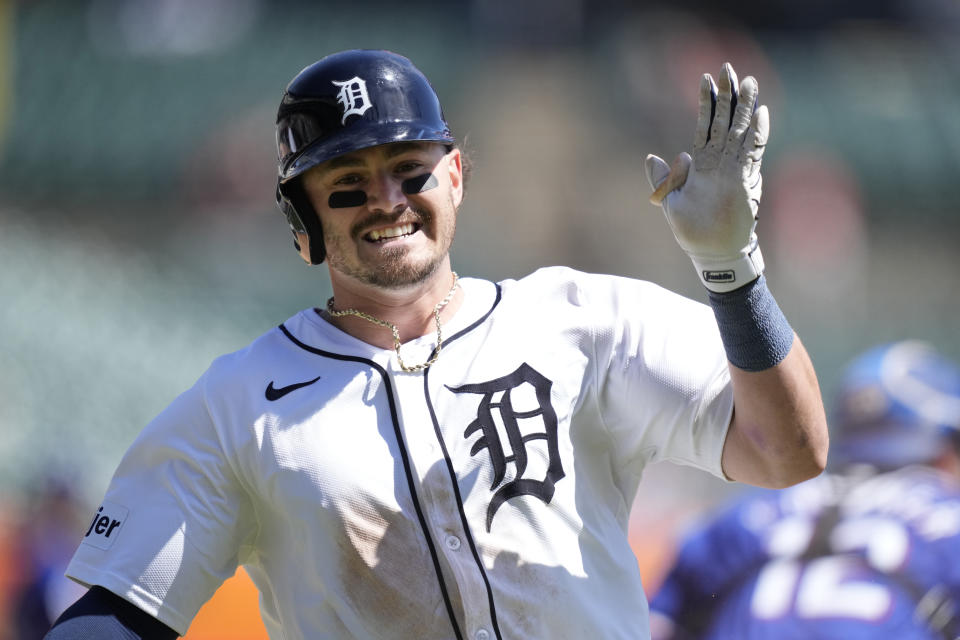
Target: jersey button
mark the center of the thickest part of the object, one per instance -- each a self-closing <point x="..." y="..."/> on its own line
<point x="482" y="634"/>
<point x="453" y="543"/>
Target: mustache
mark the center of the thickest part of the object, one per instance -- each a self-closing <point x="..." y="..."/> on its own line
<point x="410" y="214"/>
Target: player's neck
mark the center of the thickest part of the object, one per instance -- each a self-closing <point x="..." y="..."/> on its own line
<point x="411" y="309"/>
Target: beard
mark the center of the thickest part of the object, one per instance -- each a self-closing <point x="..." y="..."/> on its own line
<point x="396" y="268"/>
<point x="397" y="272"/>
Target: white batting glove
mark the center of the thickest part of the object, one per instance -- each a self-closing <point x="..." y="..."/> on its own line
<point x="711" y="200"/>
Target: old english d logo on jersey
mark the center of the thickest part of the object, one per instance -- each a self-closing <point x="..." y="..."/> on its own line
<point x="498" y="395"/>
<point x="352" y="97"/>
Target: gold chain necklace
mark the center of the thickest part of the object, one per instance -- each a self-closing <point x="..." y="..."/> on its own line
<point x="396" y="332"/>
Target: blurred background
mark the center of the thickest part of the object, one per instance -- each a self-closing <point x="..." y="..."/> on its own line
<point x="139" y="238"/>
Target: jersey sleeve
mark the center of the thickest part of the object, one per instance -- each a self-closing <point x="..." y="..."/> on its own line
<point x="174" y="519"/>
<point x="663" y="378"/>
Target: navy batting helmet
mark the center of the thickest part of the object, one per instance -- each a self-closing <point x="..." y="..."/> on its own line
<point x="345" y="102"/>
<point x="898" y="404"/>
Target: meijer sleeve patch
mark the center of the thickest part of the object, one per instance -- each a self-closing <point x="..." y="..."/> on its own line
<point x="106" y="525"/>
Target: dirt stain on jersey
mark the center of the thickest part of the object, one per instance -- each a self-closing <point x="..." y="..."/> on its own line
<point x="389" y="577"/>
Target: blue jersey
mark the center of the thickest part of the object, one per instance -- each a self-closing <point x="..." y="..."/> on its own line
<point x="834" y="557"/>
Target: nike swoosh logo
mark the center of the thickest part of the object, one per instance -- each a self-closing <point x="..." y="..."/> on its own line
<point x="272" y="394"/>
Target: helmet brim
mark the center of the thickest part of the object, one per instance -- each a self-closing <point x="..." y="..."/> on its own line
<point x="356" y="139"/>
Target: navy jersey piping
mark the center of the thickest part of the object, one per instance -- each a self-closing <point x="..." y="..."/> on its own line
<point x="403" y="455"/>
<point x="453" y="475"/>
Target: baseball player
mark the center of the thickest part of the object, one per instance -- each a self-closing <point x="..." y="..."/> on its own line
<point x="427" y="456"/>
<point x="869" y="550"/>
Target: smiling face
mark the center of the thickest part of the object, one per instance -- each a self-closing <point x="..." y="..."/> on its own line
<point x="388" y="213"/>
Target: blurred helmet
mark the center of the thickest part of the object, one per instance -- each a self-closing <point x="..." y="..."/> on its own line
<point x="898" y="404"/>
<point x="345" y="102"/>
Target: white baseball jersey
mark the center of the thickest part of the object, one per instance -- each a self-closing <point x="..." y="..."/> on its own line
<point x="486" y="497"/>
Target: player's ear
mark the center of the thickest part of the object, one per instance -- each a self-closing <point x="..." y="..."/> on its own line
<point x="455" y="168"/>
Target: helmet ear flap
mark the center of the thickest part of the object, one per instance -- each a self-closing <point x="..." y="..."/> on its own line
<point x="303" y="220"/>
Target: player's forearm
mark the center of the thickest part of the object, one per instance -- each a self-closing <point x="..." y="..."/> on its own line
<point x="778" y="434"/>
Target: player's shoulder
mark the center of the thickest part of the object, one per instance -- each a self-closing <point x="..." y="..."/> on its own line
<point x="605" y="296"/>
<point x="262" y="352"/>
<point x="572" y="286"/>
<point x="560" y="276"/>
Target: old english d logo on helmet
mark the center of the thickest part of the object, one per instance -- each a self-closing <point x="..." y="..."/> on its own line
<point x="352" y="97"/>
<point x="346" y="102"/>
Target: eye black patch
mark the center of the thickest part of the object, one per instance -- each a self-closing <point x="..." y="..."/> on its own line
<point x="346" y="199"/>
<point x="419" y="184"/>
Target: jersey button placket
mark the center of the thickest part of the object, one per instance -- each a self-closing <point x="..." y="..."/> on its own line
<point x="440" y="505"/>
<point x="482" y="634"/>
<point x="452" y="542"/>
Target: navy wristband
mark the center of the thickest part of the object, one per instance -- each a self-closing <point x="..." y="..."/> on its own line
<point x="755" y="333"/>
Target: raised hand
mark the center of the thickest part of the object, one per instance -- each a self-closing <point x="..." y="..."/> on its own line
<point x="711" y="199"/>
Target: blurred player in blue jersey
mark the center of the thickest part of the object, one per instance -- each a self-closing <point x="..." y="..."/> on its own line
<point x="869" y="550"/>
